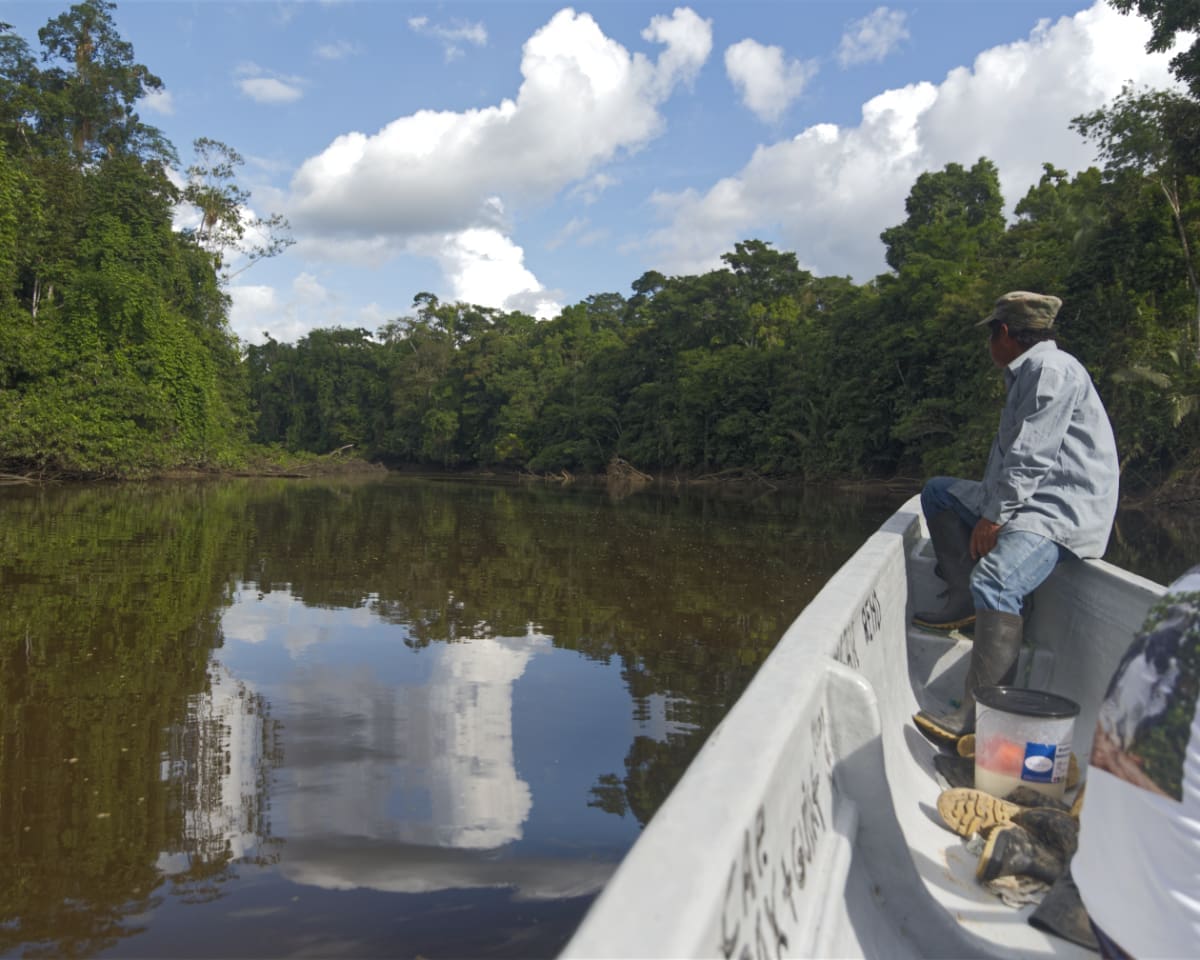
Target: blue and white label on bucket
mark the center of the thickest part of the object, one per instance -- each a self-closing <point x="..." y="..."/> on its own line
<point x="1039" y="762"/>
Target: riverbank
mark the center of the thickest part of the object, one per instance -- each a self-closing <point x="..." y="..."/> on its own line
<point x="259" y="462"/>
<point x="1179" y="492"/>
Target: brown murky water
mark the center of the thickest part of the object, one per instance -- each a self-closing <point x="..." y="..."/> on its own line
<point x="387" y="718"/>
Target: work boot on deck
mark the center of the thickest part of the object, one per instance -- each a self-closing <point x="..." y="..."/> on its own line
<point x="965" y="810"/>
<point x="1012" y="851"/>
<point x="951" y="540"/>
<point x="993" y="661"/>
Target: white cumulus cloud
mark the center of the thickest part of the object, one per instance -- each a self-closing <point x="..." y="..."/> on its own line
<point x="257" y="310"/>
<point x="766" y="81"/>
<point x="873" y="37"/>
<point x="253" y="312"/>
<point x="441" y="182"/>
<point x="688" y="41"/>
<point x="484" y="266"/>
<point x="828" y="192"/>
<point x="583" y="99"/>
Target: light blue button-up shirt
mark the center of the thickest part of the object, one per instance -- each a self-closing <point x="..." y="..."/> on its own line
<point x="1053" y="466"/>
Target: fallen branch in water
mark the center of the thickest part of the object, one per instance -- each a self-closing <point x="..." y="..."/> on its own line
<point x="624" y="471"/>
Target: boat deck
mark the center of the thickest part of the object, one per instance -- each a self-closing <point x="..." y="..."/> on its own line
<point x="945" y="866"/>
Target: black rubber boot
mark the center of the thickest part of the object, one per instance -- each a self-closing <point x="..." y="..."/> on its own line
<point x="952" y="546"/>
<point x="1011" y="851"/>
<point x="993" y="661"/>
<point x="1063" y="914"/>
<point x="1050" y="828"/>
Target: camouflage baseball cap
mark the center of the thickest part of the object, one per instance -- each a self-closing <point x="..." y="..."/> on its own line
<point x="1022" y="310"/>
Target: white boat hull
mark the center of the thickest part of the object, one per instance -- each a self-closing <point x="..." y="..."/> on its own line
<point x="806" y="826"/>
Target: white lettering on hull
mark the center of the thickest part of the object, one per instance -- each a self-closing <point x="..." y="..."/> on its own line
<point x="763" y="903"/>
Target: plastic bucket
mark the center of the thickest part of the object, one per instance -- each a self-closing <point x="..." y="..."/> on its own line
<point x="1022" y="739"/>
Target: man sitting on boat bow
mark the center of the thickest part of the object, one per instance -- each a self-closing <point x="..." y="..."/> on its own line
<point x="1049" y="492"/>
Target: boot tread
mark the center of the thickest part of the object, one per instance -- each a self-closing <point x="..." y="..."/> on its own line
<point x="935" y="729"/>
<point x="933" y="622"/>
<point x="966" y="811"/>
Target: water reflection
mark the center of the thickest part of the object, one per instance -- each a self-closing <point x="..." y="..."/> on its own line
<point x="422" y="761"/>
<point x="107" y="621"/>
<point x="364" y="718"/>
<point x="399" y="779"/>
<point x="218" y="765"/>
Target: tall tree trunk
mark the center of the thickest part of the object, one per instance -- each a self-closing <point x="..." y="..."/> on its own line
<point x="1172" y="194"/>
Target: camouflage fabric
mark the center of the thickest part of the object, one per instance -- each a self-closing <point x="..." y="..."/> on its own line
<point x="1146" y="719"/>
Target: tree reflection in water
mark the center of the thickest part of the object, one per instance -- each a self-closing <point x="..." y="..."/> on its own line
<point x="109" y="611"/>
<point x="221" y="758"/>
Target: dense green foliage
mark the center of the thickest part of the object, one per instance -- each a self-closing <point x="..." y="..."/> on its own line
<point x="115" y="354"/>
<point x="763" y="367"/>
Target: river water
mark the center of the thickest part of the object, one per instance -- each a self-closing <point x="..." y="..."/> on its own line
<point x="371" y="718"/>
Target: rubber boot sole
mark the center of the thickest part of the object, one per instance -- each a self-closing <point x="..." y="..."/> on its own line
<point x="936" y="730"/>
<point x="955" y="624"/>
<point x="965" y="811"/>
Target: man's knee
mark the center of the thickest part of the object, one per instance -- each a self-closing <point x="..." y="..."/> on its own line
<point x="935" y="495"/>
<point x="988" y="586"/>
<point x="1017" y="566"/>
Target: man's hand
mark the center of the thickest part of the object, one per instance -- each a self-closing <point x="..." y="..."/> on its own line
<point x="983" y="537"/>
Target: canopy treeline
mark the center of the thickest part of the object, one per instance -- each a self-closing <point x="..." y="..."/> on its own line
<point x="116" y="357"/>
<point x="762" y="366"/>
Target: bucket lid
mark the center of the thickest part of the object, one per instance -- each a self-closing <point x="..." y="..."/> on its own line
<point x="1027" y="703"/>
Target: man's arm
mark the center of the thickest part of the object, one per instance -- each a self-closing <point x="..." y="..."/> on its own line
<point x="1043" y="411"/>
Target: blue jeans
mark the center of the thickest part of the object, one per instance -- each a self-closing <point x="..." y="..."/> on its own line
<point x="1015" y="567"/>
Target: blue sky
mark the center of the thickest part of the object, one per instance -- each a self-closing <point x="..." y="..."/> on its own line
<point x="525" y="155"/>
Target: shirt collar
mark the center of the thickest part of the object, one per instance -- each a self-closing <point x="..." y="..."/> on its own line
<point x="1011" y="371"/>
